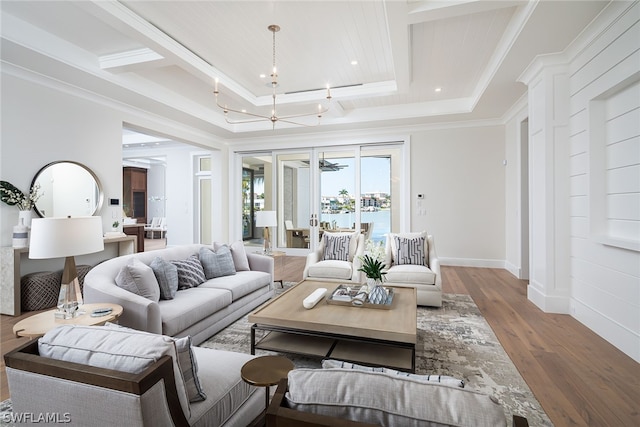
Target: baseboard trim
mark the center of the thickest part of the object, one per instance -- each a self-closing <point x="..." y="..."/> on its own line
<point x="515" y="270"/>
<point x="618" y="335"/>
<point x="548" y="303"/>
<point x="470" y="262"/>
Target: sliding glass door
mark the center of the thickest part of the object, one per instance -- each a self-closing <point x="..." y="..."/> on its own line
<point x="341" y="188"/>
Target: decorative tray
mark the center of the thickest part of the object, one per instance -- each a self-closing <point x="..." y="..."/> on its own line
<point x="354" y="296"/>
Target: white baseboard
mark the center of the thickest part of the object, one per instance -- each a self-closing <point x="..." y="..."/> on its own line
<point x="548" y="303"/>
<point x="619" y="336"/>
<point x="470" y="262"/>
<point x="513" y="269"/>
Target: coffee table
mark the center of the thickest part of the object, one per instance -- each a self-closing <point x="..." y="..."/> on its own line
<point x="39" y="324"/>
<point x="356" y="334"/>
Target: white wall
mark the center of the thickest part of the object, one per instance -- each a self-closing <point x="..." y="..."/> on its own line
<point x="41" y="125"/>
<point x="43" y="121"/>
<point x="585" y="178"/>
<point x="461" y="173"/>
<point x="605" y="278"/>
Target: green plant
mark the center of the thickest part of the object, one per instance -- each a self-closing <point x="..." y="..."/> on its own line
<point x="372" y="268"/>
<point x="115" y="224"/>
<point x="12" y="196"/>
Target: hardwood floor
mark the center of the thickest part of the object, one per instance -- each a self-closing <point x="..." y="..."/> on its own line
<point x="579" y="378"/>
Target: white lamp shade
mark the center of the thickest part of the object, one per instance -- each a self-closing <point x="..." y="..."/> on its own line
<point x="64" y="237"/>
<point x="266" y="219"/>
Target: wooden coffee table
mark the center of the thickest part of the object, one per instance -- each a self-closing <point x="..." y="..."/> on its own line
<point x="356" y="334"/>
<point x="39" y="324"/>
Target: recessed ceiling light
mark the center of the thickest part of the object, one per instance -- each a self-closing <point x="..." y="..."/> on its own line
<point x="262" y="76"/>
<point x="354" y="62"/>
<point x="438" y="89"/>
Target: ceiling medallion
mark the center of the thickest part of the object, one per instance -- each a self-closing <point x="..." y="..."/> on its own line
<point x="273" y="118"/>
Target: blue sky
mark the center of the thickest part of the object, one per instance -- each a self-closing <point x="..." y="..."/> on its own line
<point x="375" y="176"/>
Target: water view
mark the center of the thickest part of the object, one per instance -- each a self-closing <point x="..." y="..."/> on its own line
<point x="381" y="221"/>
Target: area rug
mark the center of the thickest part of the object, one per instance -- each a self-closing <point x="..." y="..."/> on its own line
<point x="453" y="340"/>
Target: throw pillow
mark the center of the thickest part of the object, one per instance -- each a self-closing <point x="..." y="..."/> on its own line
<point x="409" y="250"/>
<point x="186" y="361"/>
<point x="336" y="247"/>
<point x="167" y="277"/>
<point x="238" y="253"/>
<point x="382" y="399"/>
<point x="442" y="379"/>
<point x="189" y="367"/>
<point x="218" y="263"/>
<point x="138" y="278"/>
<point x="190" y="272"/>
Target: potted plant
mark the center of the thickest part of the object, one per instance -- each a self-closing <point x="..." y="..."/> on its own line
<point x="115" y="225"/>
<point x="12" y="196"/>
<point x="373" y="267"/>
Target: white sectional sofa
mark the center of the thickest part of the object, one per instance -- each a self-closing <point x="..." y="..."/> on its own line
<point x="199" y="312"/>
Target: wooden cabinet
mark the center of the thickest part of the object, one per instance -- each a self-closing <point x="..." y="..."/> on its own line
<point x="134" y="193"/>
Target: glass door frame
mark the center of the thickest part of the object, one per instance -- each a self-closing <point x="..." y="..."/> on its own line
<point x="354" y="148"/>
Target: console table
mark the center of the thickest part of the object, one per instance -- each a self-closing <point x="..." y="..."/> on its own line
<point x="135" y="230"/>
<point x="14" y="262"/>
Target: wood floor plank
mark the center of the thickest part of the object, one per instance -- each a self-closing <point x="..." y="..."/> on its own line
<point x="579" y="378"/>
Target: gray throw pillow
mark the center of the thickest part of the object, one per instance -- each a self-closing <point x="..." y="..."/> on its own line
<point x="167" y="277"/>
<point x="218" y="263"/>
<point x="138" y="278"/>
<point x="238" y="253"/>
<point x="442" y="379"/>
<point x="190" y="272"/>
<point x="409" y="250"/>
<point x="336" y="247"/>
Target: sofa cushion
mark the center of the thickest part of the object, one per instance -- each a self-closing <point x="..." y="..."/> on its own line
<point x="241" y="284"/>
<point x="379" y="398"/>
<point x="442" y="379"/>
<point x="331" y="269"/>
<point x="410" y="250"/>
<point x="106" y="347"/>
<point x="219" y="373"/>
<point x="217" y="263"/>
<point x="186" y="361"/>
<point x="238" y="254"/>
<point x="167" y="277"/>
<point x="190" y="272"/>
<point x="412" y="274"/>
<point x="190" y="306"/>
<point x="139" y="278"/>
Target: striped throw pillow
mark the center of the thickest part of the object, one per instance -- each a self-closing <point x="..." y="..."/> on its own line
<point x="336" y="247"/>
<point x="409" y="250"/>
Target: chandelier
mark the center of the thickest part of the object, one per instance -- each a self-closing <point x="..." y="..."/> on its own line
<point x="291" y="119"/>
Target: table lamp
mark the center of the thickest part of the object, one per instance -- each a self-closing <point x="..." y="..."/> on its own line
<point x="266" y="219"/>
<point x="66" y="237"/>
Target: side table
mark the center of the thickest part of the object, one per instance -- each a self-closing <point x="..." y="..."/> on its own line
<point x="265" y="371"/>
<point x="39" y="324"/>
<point x="278" y="264"/>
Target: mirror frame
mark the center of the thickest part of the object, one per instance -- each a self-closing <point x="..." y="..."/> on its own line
<point x="93" y="175"/>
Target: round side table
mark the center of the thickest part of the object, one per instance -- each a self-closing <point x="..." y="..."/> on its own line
<point x="39" y="324"/>
<point x="265" y="371"/>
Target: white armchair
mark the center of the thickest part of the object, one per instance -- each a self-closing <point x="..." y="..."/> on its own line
<point x="413" y="265"/>
<point x="336" y="264"/>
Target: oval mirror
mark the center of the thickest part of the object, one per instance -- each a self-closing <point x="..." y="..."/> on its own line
<point x="68" y="189"/>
